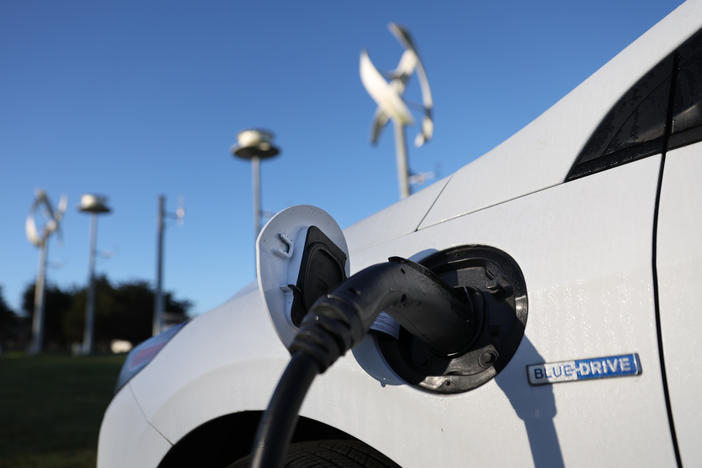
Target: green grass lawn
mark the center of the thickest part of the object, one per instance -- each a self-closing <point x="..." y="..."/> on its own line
<point x="51" y="407"/>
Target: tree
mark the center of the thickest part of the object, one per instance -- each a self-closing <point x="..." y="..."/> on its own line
<point x="73" y="323"/>
<point x="122" y="312"/>
<point x="56" y="306"/>
<point x="9" y="325"/>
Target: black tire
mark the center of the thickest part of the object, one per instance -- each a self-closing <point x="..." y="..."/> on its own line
<point x="329" y="453"/>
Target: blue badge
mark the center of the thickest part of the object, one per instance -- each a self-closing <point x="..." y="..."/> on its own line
<point x="584" y="369"/>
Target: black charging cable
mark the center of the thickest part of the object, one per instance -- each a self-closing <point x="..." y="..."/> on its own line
<point x="412" y="294"/>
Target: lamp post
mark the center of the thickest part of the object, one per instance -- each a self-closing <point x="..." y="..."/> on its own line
<point x="95" y="205"/>
<point x="161" y="224"/>
<point x="255" y="145"/>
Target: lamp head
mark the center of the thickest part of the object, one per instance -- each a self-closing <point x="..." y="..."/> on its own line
<point x="255" y="143"/>
<point x="93" y="203"/>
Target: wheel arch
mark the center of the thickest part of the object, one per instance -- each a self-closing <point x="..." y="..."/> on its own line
<point x="222" y="440"/>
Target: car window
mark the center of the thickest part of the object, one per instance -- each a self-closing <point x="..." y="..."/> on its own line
<point x="687" y="101"/>
<point x="634" y="128"/>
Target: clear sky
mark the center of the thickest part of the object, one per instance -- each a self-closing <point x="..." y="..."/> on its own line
<point x="132" y="99"/>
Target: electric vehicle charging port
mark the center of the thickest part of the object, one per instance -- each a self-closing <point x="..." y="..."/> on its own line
<point x="493" y="282"/>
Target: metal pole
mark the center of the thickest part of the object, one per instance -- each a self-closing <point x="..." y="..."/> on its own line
<point x="256" y="195"/>
<point x="158" y="306"/>
<point x="256" y="181"/>
<point x="401" y="153"/>
<point x="90" y="304"/>
<point x="39" y="296"/>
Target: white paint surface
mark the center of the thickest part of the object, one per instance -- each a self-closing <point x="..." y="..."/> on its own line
<point x="126" y="438"/>
<point x="679" y="262"/>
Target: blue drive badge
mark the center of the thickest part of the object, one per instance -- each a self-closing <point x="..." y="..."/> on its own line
<point x="621" y="365"/>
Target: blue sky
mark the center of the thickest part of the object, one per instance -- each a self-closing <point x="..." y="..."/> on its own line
<point x="132" y="99"/>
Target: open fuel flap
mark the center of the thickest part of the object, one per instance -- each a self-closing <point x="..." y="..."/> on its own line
<point x="493" y="283"/>
<point x="301" y="254"/>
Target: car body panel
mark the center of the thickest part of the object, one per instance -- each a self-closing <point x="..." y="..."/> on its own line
<point x="679" y="265"/>
<point x="541" y="154"/>
<point x="225" y="361"/>
<point x="126" y="437"/>
<point x="394" y="221"/>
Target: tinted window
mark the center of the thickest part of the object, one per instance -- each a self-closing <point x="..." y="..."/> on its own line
<point x="687" y="101"/>
<point x="634" y="128"/>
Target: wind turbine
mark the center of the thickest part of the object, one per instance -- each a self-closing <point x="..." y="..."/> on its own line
<point x="391" y="106"/>
<point x="52" y="224"/>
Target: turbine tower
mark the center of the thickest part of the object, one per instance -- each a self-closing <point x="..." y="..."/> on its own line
<point x="391" y="106"/>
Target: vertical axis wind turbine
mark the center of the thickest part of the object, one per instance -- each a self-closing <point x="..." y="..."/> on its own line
<point x="391" y="106"/>
<point x="42" y="241"/>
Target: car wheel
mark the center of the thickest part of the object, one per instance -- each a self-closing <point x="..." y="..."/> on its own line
<point x="321" y="453"/>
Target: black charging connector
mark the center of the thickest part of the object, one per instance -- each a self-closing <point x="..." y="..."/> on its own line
<point x="411" y="293"/>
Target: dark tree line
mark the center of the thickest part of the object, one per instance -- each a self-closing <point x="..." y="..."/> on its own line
<point x="123" y="311"/>
<point x="9" y="323"/>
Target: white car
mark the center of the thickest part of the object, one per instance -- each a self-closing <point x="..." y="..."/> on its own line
<point x="579" y="241"/>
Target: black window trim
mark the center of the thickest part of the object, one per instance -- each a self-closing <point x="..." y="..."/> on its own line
<point x="642" y="150"/>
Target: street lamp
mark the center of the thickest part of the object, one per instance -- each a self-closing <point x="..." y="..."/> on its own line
<point x="95" y="205"/>
<point x="255" y="145"/>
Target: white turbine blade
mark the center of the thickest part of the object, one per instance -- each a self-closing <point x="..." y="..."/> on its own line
<point x="426" y="133"/>
<point x="380" y="119"/>
<point x="403" y="72"/>
<point x="424" y="85"/>
<point x="383" y="93"/>
<point x="405" y="68"/>
<point x="405" y="39"/>
<point x="402" y="35"/>
<point x="51" y="226"/>
<point x="31" y="230"/>
<point x="48" y="209"/>
<point x="427" y="130"/>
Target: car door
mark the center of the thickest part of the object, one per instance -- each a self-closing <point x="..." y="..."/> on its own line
<point x="679" y="253"/>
